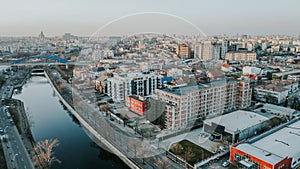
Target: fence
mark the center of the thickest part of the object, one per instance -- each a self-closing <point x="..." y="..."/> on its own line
<point x="178" y="160"/>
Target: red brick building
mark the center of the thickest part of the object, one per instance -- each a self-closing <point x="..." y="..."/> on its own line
<point x="137" y="104"/>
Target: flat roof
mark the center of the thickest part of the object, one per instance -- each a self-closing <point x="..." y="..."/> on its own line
<point x="182" y="90"/>
<point x="277" y="145"/>
<point x="287" y="73"/>
<point x="271" y="87"/>
<point x="284" y="142"/>
<point x="259" y="153"/>
<point x="238" y="120"/>
<point x="278" y="109"/>
<point x="185" y="89"/>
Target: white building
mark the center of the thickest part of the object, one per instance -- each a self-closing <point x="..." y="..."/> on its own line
<point x="121" y="86"/>
<point x="237" y="125"/>
<point x="271" y="93"/>
<point x="278" y="110"/>
<point x="251" y="70"/>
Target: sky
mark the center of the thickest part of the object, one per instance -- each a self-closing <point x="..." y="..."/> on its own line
<point x="117" y="17"/>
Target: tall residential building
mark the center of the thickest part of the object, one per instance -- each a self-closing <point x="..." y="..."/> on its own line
<point x="41" y="36"/>
<point x="224" y="48"/>
<point x="184" y="51"/>
<point x="140" y="84"/>
<point x="206" y="51"/>
<point x="197" y="50"/>
<point x="209" y="50"/>
<point x="187" y="104"/>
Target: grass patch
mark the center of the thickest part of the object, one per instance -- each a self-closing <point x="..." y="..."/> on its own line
<point x="189" y="151"/>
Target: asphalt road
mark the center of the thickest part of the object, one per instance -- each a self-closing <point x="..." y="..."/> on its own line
<point x="16" y="155"/>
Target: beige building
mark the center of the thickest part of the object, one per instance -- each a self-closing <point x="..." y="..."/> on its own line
<point x="184" y="51"/>
<point x="207" y="50"/>
<point x="241" y="56"/>
<point x="187" y="104"/>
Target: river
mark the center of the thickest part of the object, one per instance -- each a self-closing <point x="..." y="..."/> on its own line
<point x="49" y="120"/>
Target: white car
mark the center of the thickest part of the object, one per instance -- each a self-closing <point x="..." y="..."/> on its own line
<point x="225" y="164"/>
<point x="1" y="131"/>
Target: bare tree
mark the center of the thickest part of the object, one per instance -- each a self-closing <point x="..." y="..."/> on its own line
<point x="163" y="163"/>
<point x="189" y="154"/>
<point x="43" y="153"/>
<point x="177" y="148"/>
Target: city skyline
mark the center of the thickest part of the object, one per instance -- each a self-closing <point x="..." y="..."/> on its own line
<point x="20" y="18"/>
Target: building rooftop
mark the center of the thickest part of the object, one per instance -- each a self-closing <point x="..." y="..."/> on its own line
<point x="277" y="145"/>
<point x="259" y="153"/>
<point x="283" y="143"/>
<point x="274" y="108"/>
<point x="241" y="51"/>
<point x="139" y="98"/>
<point x="287" y="73"/>
<point x="182" y="90"/>
<point x="272" y="87"/>
<point x="238" y="120"/>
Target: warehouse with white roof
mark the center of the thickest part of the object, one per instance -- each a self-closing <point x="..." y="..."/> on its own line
<point x="276" y="149"/>
<point x="237" y="125"/>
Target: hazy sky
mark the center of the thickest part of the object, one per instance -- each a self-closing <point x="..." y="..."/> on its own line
<point x="213" y="17"/>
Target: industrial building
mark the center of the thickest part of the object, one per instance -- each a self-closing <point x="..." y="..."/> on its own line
<point x="276" y="149"/>
<point x="237" y="125"/>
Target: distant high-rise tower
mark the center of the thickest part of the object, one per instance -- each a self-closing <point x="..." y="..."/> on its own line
<point x="41" y="36"/>
<point x="210" y="51"/>
<point x="224" y="48"/>
<point x="184" y="51"/>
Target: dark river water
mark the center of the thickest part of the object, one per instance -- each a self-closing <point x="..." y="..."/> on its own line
<point x="50" y="120"/>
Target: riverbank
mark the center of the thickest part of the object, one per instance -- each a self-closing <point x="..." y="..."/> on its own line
<point x="18" y="113"/>
<point x="17" y="110"/>
<point x="86" y="125"/>
<point x="22" y="120"/>
<point x="15" y="144"/>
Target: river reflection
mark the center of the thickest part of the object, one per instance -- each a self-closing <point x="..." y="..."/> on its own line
<point x="50" y="119"/>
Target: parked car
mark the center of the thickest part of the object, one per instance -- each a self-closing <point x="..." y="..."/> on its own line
<point x="225" y="164"/>
<point x="1" y="131"/>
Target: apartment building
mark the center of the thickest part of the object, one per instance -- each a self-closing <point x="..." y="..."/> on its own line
<point x="184" y="51"/>
<point x="187" y="104"/>
<point x="275" y="91"/>
<point x="208" y="50"/>
<point x="123" y="85"/>
<point x="241" y="56"/>
<point x="136" y="104"/>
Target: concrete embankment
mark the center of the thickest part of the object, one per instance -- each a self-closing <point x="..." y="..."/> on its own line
<point x="92" y="130"/>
